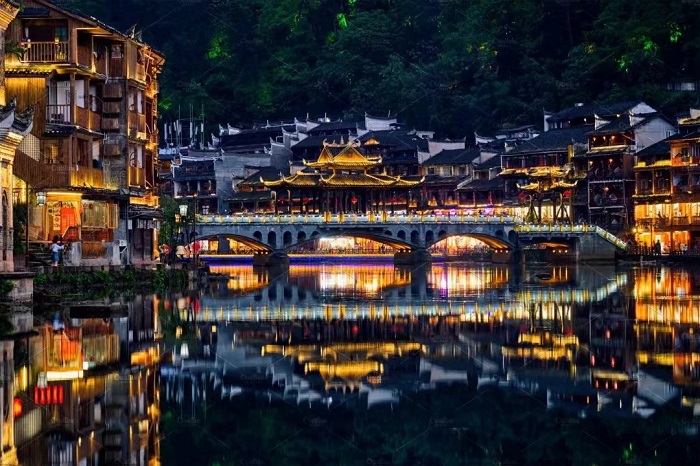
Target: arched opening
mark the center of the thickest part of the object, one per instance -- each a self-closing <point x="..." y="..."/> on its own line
<point x="402" y="235"/>
<point x="347" y="245"/>
<point x="272" y="239"/>
<point x="287" y="238"/>
<point x="301" y="237"/>
<point x="257" y="235"/>
<point x="415" y="237"/>
<point x="473" y="247"/>
<point x="387" y="232"/>
<point x="429" y="237"/>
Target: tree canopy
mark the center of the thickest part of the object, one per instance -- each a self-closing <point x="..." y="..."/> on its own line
<point x="453" y="66"/>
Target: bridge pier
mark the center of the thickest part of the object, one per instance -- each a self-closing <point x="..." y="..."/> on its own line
<point x="224" y="246"/>
<point x="593" y="248"/>
<point x="417" y="256"/>
<point x="273" y="259"/>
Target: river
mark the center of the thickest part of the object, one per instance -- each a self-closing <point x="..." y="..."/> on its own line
<point x="443" y="364"/>
<point x="370" y="364"/>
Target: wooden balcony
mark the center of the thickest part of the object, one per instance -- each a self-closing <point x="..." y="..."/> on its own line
<point x="112" y="150"/>
<point x="111" y="107"/>
<point x="46" y="52"/>
<point x="113" y="91"/>
<point x="110" y="124"/>
<point x="684" y="161"/>
<point x="85" y="56"/>
<point x="56" y="175"/>
<point x="136" y="177"/>
<point x="88" y="119"/>
<point x="58" y="114"/>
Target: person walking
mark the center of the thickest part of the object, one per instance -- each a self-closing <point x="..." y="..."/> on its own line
<point x="56" y="249"/>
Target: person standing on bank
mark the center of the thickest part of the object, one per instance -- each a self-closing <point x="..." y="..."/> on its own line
<point x="56" y="249"/>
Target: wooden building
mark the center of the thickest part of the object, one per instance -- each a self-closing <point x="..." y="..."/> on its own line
<point x="93" y="148"/>
<point x="343" y="180"/>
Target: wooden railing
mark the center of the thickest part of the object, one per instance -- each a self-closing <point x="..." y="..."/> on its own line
<point x="110" y="123"/>
<point x="56" y="175"/>
<point x="112" y="91"/>
<point x="136" y="177"/>
<point x="88" y="119"/>
<point x="46" y="52"/>
<point x="87" y="177"/>
<point x="85" y="56"/>
<point x="95" y="121"/>
<point x="58" y="113"/>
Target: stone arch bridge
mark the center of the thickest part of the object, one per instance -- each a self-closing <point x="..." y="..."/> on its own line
<point x="271" y="237"/>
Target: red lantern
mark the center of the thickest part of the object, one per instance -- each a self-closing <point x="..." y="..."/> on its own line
<point x="17" y="407"/>
<point x="567" y="193"/>
<point x="305" y="200"/>
<point x="521" y="195"/>
<point x="353" y="200"/>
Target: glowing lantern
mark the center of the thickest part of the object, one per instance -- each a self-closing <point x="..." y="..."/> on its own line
<point x="17" y="407"/>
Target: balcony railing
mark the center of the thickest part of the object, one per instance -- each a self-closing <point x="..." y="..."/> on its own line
<point x="136" y="177"/>
<point x="685" y="160"/>
<point x="58" y="114"/>
<point x="46" y="52"/>
<point x="88" y="119"/>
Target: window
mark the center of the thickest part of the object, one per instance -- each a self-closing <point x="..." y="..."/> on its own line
<point x="117" y="51"/>
<point x="80" y="99"/>
<point x="139" y="101"/>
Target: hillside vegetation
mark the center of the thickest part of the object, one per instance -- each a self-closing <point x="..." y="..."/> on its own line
<point x="452" y="66"/>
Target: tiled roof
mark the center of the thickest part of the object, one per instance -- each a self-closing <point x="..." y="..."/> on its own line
<point x="397" y="138"/>
<point x="317" y="141"/>
<point x="336" y="126"/>
<point x="259" y="136"/>
<point x="555" y="140"/>
<point x="623" y="123"/>
<point x="660" y="148"/>
<point x="588" y="110"/>
<point x="493" y="162"/>
<point x="454" y="156"/>
<point x="483" y="185"/>
<point x="242" y="196"/>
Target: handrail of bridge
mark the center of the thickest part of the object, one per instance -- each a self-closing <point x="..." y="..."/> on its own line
<point x="561" y="228"/>
<point x="383" y="218"/>
<point x="355" y="218"/>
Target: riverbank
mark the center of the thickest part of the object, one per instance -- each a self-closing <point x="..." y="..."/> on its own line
<point x="64" y="284"/>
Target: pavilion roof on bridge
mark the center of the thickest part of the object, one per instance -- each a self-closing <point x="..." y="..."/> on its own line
<point x="341" y="180"/>
<point x="342" y="166"/>
<point x="349" y="158"/>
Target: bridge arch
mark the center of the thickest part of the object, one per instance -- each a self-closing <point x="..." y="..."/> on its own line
<point x="253" y="244"/>
<point x="491" y="241"/>
<point x="272" y="239"/>
<point x="395" y="243"/>
<point x="401" y="235"/>
<point x="287" y="238"/>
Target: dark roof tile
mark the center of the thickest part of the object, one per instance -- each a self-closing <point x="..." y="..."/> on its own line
<point x="555" y="140"/>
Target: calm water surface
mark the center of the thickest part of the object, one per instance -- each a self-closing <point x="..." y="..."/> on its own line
<point x="447" y="364"/>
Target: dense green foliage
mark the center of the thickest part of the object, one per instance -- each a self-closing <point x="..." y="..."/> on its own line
<point x="101" y="284"/>
<point x="450" y="65"/>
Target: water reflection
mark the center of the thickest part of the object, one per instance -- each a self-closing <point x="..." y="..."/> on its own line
<point x="574" y="345"/>
<point x="370" y="364"/>
<point x="86" y="388"/>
